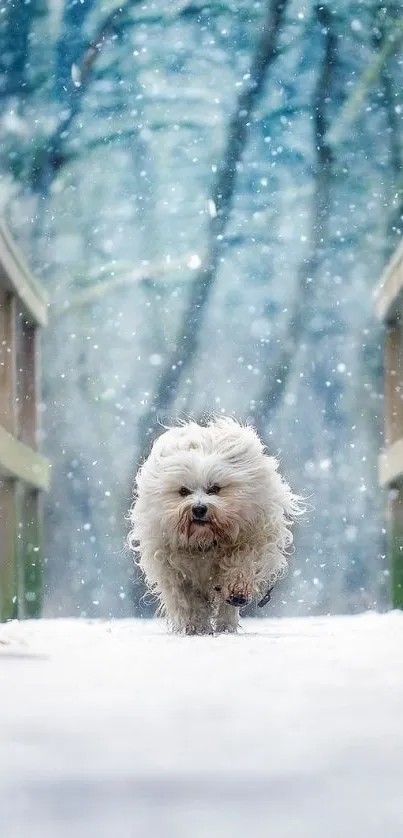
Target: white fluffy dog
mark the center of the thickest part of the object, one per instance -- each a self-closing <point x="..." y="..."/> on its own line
<point x="210" y="523"/>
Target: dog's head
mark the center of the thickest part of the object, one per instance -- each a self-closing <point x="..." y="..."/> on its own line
<point x="205" y="485"/>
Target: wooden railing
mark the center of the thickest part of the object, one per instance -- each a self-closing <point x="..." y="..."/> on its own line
<point x="389" y="309"/>
<point x="24" y="473"/>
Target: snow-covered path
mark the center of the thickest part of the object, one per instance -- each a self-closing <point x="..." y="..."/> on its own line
<point x="293" y="729"/>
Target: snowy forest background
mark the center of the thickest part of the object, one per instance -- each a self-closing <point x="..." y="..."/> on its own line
<point x="209" y="192"/>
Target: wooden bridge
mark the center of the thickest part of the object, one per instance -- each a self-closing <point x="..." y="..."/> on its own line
<point x="24" y="473"/>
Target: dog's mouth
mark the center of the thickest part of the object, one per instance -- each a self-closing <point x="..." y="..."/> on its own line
<point x="204" y="531"/>
<point x="200" y="531"/>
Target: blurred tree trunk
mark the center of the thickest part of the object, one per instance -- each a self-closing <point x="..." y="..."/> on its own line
<point x="276" y="380"/>
<point x="384" y="20"/>
<point x="187" y="339"/>
<point x="72" y="81"/>
<point x="15" y="30"/>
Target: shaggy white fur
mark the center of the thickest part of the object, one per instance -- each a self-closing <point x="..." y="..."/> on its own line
<point x="210" y="523"/>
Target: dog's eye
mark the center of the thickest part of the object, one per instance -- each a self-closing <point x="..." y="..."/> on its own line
<point x="184" y="492"/>
<point x="213" y="490"/>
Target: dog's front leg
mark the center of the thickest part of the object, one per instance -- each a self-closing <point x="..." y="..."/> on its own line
<point x="227" y="618"/>
<point x="187" y="610"/>
<point x="199" y="616"/>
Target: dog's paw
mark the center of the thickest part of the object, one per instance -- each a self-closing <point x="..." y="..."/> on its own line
<point x="226" y="628"/>
<point x="192" y="630"/>
<point x="239" y="600"/>
<point x="239" y="593"/>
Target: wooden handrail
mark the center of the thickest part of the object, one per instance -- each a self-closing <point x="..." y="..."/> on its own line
<point x="388" y="294"/>
<point x="20" y="462"/>
<point x="391" y="465"/>
<point x="16" y="278"/>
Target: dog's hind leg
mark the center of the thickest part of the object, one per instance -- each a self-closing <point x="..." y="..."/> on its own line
<point x="227" y="618"/>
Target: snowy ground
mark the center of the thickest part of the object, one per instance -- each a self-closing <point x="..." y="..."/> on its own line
<point x="293" y="729"/>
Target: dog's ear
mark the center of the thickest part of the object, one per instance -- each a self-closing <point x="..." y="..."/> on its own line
<point x="238" y="445"/>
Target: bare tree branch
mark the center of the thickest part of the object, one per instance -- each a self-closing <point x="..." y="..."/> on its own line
<point x="49" y="161"/>
<point x="186" y="343"/>
<point x="105" y="30"/>
<point x="277" y="380"/>
<point x="369" y="77"/>
<point x="96" y="291"/>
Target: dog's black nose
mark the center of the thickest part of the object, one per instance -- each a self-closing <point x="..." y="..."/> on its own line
<point x="199" y="511"/>
<point x="239" y="600"/>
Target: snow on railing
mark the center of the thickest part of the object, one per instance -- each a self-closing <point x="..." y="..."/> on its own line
<point x="24" y="473"/>
<point x="388" y="298"/>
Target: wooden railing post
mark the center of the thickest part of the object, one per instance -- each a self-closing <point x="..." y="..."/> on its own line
<point x="393" y="432"/>
<point x="8" y="419"/>
<point x="8" y="559"/>
<point x="393" y="365"/>
<point x="29" y="501"/>
<point x="389" y="308"/>
<point x="395" y="544"/>
<point x="24" y="473"/>
<point x="30" y="555"/>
